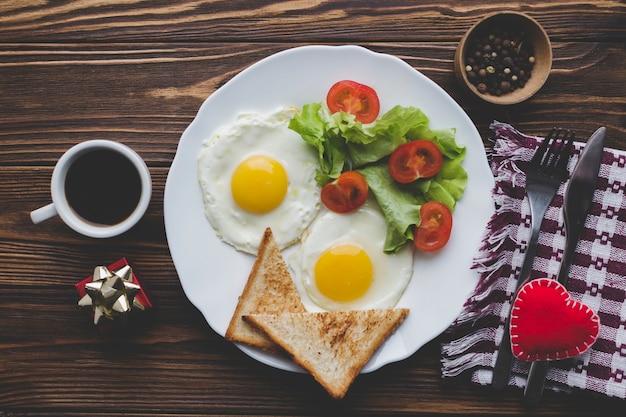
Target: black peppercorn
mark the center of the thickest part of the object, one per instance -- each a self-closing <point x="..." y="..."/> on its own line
<point x="499" y="61"/>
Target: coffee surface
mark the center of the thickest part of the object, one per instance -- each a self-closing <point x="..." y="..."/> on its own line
<point x="103" y="187"/>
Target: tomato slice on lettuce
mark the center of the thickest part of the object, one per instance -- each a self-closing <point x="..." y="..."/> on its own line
<point x="354" y="98"/>
<point x="434" y="230"/>
<point x="416" y="159"/>
<point x="345" y="194"/>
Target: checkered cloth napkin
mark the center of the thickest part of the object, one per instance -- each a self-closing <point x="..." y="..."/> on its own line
<point x="597" y="275"/>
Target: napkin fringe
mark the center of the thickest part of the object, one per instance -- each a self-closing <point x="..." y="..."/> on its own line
<point x="493" y="258"/>
<point x="456" y="367"/>
<point x="475" y="323"/>
<point x="458" y="346"/>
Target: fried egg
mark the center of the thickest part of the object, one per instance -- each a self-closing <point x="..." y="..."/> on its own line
<point x="340" y="263"/>
<point x="256" y="173"/>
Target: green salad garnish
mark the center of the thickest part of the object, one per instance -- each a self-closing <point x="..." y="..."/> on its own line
<point x="344" y="143"/>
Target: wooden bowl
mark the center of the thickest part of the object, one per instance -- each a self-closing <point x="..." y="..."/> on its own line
<point x="516" y="23"/>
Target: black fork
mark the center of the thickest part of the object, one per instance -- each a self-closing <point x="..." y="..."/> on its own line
<point x="545" y="173"/>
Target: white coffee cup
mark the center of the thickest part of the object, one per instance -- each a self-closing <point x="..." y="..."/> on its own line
<point x="62" y="207"/>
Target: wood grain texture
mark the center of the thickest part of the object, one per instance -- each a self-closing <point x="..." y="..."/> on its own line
<point x="289" y="21"/>
<point x="136" y="72"/>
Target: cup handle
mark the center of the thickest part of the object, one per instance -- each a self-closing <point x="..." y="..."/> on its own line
<point x="43" y="213"/>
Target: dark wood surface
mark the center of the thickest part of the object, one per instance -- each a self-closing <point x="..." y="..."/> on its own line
<point x="136" y="72"/>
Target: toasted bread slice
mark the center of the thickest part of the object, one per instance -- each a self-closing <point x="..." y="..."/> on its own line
<point x="269" y="290"/>
<point x="332" y="346"/>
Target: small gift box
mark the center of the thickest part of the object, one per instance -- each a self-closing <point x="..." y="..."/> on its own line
<point x="112" y="291"/>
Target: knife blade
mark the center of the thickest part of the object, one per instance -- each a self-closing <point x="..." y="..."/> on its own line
<point x="577" y="202"/>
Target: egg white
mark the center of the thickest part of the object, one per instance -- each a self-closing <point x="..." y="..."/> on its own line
<point x="256" y="134"/>
<point x="365" y="228"/>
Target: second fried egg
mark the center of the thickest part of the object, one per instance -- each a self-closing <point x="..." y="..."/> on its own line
<point x="256" y="173"/>
<point x="340" y="264"/>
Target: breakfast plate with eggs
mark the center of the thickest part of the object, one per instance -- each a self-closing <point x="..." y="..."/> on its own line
<point x="216" y="206"/>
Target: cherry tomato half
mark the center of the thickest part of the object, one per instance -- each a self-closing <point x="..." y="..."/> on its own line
<point x="354" y="98"/>
<point x="434" y="231"/>
<point x="346" y="193"/>
<point x="413" y="160"/>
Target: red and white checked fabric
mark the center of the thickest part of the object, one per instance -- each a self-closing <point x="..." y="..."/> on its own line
<point x="597" y="275"/>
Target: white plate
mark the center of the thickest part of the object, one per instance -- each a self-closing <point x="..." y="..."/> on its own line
<point x="213" y="274"/>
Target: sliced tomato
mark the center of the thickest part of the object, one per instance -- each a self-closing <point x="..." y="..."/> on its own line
<point x="413" y="160"/>
<point x="354" y="98"/>
<point x="346" y="193"/>
<point x="434" y="230"/>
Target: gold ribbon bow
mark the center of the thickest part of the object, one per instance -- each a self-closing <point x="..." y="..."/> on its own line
<point x="111" y="294"/>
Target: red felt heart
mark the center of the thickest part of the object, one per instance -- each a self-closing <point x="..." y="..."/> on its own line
<point x="547" y="324"/>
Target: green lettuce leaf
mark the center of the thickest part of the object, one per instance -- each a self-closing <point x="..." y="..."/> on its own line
<point x="449" y="184"/>
<point x="401" y="203"/>
<point x="318" y="130"/>
<point x="390" y="131"/>
<point x="400" y="207"/>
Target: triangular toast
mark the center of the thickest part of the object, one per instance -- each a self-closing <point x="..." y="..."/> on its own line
<point x="332" y="346"/>
<point x="269" y="290"/>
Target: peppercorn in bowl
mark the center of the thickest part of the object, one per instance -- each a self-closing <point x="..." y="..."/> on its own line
<point x="504" y="59"/>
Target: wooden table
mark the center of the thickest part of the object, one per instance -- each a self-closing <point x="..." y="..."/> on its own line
<point x="136" y="72"/>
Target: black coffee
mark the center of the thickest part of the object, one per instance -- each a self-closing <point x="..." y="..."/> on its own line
<point x="103" y="187"/>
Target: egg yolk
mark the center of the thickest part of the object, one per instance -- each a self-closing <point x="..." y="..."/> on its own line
<point x="343" y="272"/>
<point x="259" y="184"/>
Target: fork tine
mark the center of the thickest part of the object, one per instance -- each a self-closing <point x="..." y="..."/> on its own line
<point x="568" y="144"/>
<point x="540" y="153"/>
<point x="550" y="155"/>
<point x="554" y="152"/>
<point x="557" y="156"/>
